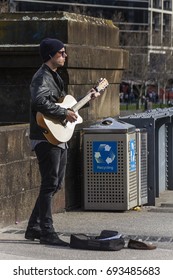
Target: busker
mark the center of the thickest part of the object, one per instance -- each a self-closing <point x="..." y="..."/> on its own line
<point x="47" y="88"/>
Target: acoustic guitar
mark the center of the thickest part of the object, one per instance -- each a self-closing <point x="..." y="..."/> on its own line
<point x="57" y="131"/>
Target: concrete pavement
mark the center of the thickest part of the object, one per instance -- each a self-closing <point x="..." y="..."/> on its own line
<point x="152" y="224"/>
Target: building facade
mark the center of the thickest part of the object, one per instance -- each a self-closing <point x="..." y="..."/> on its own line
<point x="148" y="21"/>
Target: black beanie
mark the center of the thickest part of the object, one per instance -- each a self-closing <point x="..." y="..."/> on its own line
<point x="49" y="47"/>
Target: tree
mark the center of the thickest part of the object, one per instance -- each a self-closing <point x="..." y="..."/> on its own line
<point x="137" y="73"/>
<point x="3" y="6"/>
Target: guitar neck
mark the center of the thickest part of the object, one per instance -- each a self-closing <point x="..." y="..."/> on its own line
<point x="103" y="83"/>
<point x="82" y="102"/>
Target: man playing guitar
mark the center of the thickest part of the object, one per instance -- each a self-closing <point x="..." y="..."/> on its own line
<point x="47" y="88"/>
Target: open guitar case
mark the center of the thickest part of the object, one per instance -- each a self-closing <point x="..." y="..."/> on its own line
<point x="108" y="240"/>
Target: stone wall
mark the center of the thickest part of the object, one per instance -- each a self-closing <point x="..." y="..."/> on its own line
<point x="93" y="51"/>
<point x="19" y="176"/>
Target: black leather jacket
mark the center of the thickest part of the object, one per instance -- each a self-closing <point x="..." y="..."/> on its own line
<point x="46" y="88"/>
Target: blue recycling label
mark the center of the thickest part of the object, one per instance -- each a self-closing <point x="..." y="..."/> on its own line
<point x="132" y="156"/>
<point x="105" y="156"/>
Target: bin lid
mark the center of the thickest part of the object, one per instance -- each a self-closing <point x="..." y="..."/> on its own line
<point x="168" y="110"/>
<point x="108" y="125"/>
<point x="150" y="114"/>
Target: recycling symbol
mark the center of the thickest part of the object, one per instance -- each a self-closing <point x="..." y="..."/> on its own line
<point x="104" y="154"/>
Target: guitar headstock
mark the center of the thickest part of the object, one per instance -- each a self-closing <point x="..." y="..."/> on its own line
<point x="101" y="85"/>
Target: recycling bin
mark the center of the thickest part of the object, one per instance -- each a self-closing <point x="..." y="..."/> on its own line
<point x="154" y="121"/>
<point x="109" y="158"/>
<point x="169" y="148"/>
<point x="142" y="166"/>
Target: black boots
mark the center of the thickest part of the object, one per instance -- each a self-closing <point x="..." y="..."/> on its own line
<point x="33" y="233"/>
<point x="49" y="238"/>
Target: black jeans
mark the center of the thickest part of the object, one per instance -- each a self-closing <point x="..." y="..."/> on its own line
<point x="52" y="165"/>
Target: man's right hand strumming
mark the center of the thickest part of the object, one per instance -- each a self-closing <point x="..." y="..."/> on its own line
<point x="71" y="116"/>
